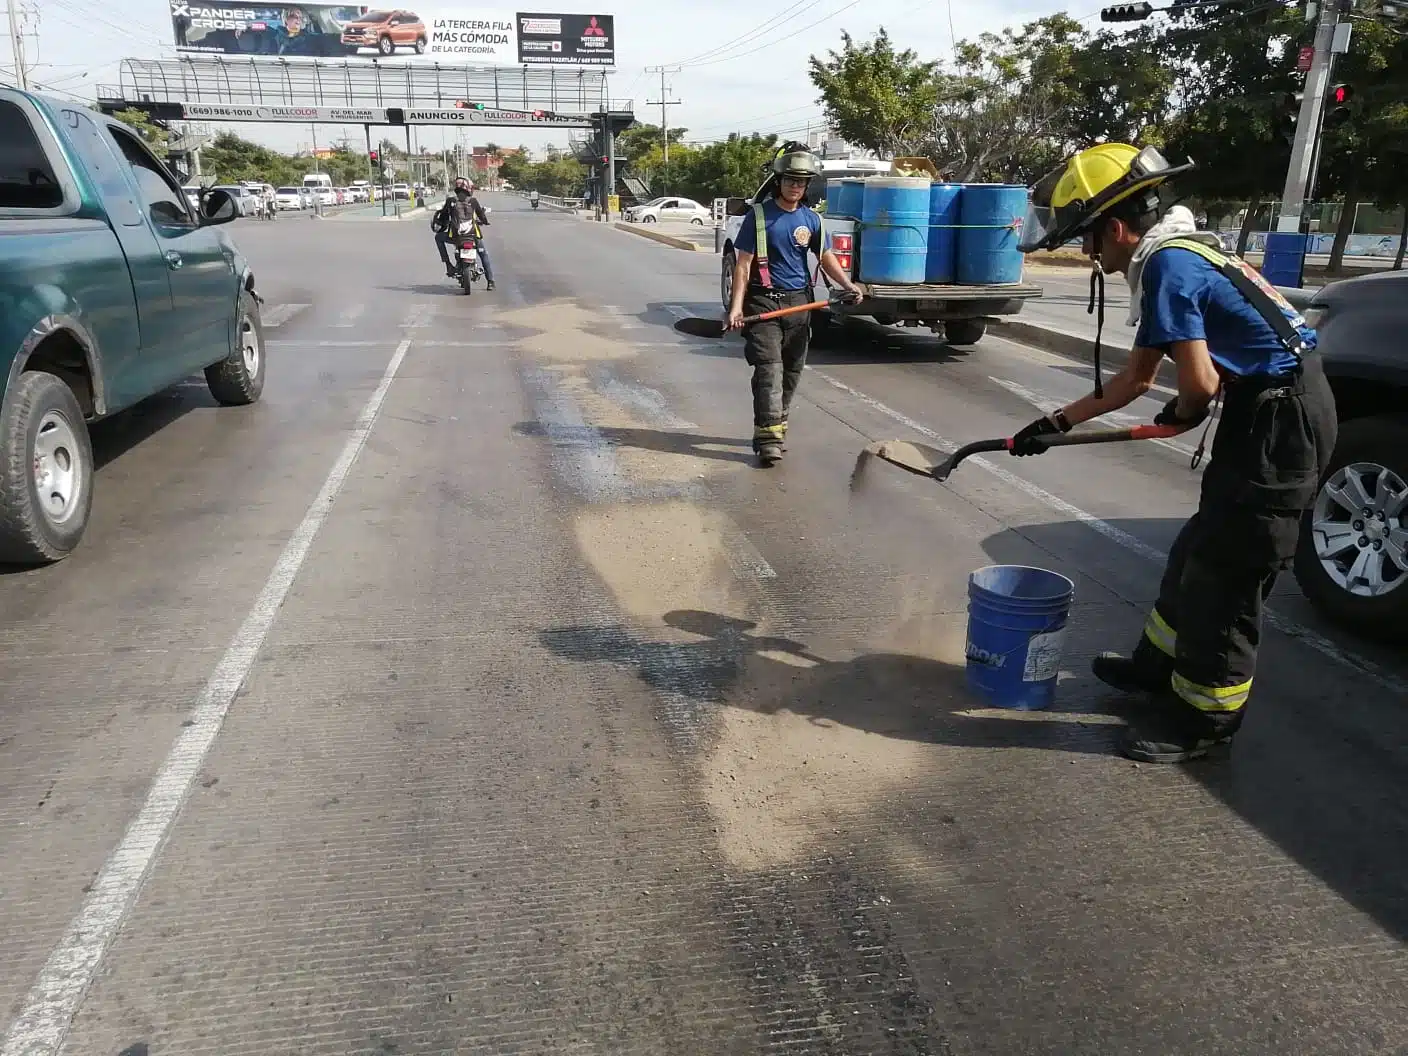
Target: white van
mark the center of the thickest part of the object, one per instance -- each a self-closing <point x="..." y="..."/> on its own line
<point x="320" y="184"/>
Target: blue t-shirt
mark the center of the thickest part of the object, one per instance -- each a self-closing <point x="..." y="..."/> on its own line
<point x="1185" y="298"/>
<point x="791" y="236"/>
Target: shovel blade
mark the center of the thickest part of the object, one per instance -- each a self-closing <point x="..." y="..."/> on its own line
<point x="919" y="459"/>
<point x="700" y="327"/>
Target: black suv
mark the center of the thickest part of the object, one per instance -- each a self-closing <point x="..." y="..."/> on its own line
<point x="1353" y="557"/>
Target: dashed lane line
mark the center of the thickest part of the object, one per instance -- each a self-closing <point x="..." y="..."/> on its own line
<point x="279" y="314"/>
<point x="1375" y="672"/>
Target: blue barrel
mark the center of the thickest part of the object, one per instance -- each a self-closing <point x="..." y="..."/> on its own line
<point x="895" y="229"/>
<point x="1284" y="260"/>
<point x="1016" y="621"/>
<point x="987" y="244"/>
<point x="944" y="218"/>
<point x="845" y="197"/>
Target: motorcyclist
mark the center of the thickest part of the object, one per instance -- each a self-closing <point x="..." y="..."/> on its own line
<point x="459" y="208"/>
<point x="533" y="197"/>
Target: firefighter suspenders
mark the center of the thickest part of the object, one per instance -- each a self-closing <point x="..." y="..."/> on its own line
<point x="1260" y="294"/>
<point x="761" y="227"/>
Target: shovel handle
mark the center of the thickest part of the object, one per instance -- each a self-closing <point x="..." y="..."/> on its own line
<point x="1100" y="436"/>
<point x="749" y="320"/>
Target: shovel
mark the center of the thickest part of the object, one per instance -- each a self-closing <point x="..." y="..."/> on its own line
<point x="715" y="327"/>
<point x="929" y="461"/>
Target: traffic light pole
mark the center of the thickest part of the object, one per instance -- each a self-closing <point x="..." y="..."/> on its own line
<point x="1305" y="150"/>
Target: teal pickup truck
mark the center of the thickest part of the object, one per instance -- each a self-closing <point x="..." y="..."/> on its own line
<point x="112" y="288"/>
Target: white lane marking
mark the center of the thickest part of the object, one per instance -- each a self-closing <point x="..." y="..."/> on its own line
<point x="1042" y="403"/>
<point x="382" y="344"/>
<point x="679" y="311"/>
<point x="349" y="316"/>
<point x="279" y="314"/>
<point x="1064" y="362"/>
<point x="622" y="317"/>
<point x="1320" y="644"/>
<point x="54" y="1000"/>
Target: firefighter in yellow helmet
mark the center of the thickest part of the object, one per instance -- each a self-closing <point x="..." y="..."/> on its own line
<point x="1229" y="332"/>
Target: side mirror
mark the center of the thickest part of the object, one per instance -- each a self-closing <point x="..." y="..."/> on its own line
<point x="218" y="207"/>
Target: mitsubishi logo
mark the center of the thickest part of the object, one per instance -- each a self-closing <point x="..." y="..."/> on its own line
<point x="593" y="30"/>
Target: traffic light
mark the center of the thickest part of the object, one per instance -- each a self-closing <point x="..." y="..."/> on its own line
<point x="372" y="157"/>
<point x="1126" y="12"/>
<point x="1337" y="105"/>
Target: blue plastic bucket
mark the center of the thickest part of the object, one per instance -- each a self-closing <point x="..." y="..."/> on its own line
<point x="895" y="229"/>
<point x="987" y="244"/>
<point x="944" y="218"/>
<point x="1016" y="621"/>
<point x="845" y="197"/>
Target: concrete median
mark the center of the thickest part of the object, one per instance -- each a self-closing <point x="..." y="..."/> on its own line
<point x="655" y="236"/>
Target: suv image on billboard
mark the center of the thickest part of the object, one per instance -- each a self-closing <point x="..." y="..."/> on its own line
<point x="385" y="31"/>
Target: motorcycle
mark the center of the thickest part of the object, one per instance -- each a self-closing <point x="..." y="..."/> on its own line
<point x="535" y="203"/>
<point x="467" y="252"/>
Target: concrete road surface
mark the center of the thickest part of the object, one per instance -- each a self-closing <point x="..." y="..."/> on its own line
<point x="473" y="693"/>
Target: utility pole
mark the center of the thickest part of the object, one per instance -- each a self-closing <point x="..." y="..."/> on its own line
<point x="664" y="103"/>
<point x="1312" y="107"/>
<point x="17" y="46"/>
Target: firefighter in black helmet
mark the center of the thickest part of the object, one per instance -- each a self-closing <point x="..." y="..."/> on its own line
<point x="771" y="272"/>
<point x="1228" y="331"/>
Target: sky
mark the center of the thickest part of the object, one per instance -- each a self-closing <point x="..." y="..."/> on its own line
<point x="732" y="78"/>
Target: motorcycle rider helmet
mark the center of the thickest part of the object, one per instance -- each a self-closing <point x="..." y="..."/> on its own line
<point x="1068" y="201"/>
<point x="462" y="184"/>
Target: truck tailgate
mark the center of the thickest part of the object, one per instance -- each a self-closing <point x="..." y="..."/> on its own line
<point x="927" y="292"/>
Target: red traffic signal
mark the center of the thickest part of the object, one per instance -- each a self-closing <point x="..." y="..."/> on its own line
<point x="1340" y="94"/>
<point x="1337" y="105"/>
<point x="372" y="156"/>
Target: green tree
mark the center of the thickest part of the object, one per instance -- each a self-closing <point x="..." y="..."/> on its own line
<point x="727" y="169"/>
<point x="877" y="97"/>
<point x="141" y="122"/>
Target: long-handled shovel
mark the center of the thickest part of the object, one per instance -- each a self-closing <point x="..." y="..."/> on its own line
<point x="715" y="327"/>
<point x="929" y="461"/>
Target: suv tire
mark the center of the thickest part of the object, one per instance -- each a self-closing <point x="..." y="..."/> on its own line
<point x="1378" y="449"/>
<point x="46" y="474"/>
<point x="238" y="379"/>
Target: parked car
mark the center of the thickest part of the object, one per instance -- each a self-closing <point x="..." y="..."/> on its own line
<point x="246" y="198"/>
<point x="668" y="208"/>
<point x="385" y="31"/>
<point x="290" y="198"/>
<point x="113" y="288"/>
<point x="1353" y="558"/>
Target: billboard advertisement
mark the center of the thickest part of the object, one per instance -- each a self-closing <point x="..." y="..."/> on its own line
<point x="566" y="40"/>
<point x="435" y="33"/>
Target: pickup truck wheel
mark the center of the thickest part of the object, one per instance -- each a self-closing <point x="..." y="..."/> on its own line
<point x="726" y="278"/>
<point x="823" y="327"/>
<point x="964" y="331"/>
<point x="46" y="471"/>
<point x="1352" y="559"/>
<point x="239" y="378"/>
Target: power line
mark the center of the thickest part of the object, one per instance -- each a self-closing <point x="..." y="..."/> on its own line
<point x="773" y="43"/>
<point x="745" y="37"/>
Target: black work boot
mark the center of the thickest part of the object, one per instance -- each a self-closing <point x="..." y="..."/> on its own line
<point x="1131" y="674"/>
<point x="489" y="285"/>
<point x="1176" y="732"/>
<point x="770" y="453"/>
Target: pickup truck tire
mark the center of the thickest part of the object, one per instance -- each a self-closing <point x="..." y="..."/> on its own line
<point x="46" y="474"/>
<point x="964" y="331"/>
<point x="726" y="278"/>
<point x="1372" y="452"/>
<point x="239" y="378"/>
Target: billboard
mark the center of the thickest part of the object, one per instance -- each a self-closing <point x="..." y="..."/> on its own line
<point x="379" y="115"/>
<point x="431" y="33"/>
<point x="566" y="40"/>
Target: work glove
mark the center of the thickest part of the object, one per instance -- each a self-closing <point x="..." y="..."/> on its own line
<point x="1030" y="440"/>
<point x="1169" y="416"/>
<point x="852" y="296"/>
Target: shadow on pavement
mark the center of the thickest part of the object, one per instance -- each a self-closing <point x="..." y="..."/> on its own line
<point x="665" y="441"/>
<point x="889" y="694"/>
<point x="446" y="287"/>
<point x="1321" y="766"/>
<point x="114" y="437"/>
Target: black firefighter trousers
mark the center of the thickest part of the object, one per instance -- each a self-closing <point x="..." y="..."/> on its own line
<point x="1273" y="443"/>
<point x="776" y="349"/>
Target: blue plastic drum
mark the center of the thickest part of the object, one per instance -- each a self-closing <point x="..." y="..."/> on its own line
<point x="895" y="230"/>
<point x="944" y="218"/>
<point x="991" y="214"/>
<point x="1016" y="623"/>
<point x="845" y="198"/>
